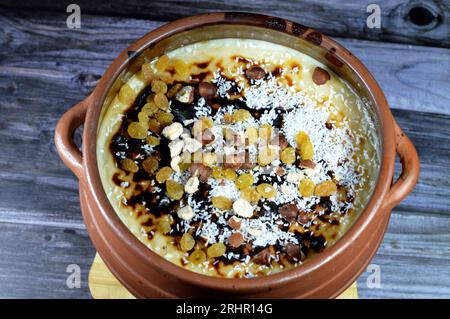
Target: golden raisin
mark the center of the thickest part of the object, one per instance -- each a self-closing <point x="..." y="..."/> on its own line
<point x="250" y="194"/>
<point x="307" y="151"/>
<point x="227" y="118"/>
<point x="154" y="126"/>
<point x="164" y="118"/>
<point x="287" y="155"/>
<point x="147" y="72"/>
<point x="244" y="180"/>
<point x="265" y="133"/>
<point x="163" y="174"/>
<point x="325" y="188"/>
<point x="163" y="225"/>
<point x="209" y="159"/>
<point x="221" y="202"/>
<point x="161" y="101"/>
<point x="241" y="115"/>
<point x="301" y="137"/>
<point x="306" y="187"/>
<point x="187" y="242"/>
<point x="304" y="145"/>
<point x="217" y="172"/>
<point x="174" y="90"/>
<point x="181" y="68"/>
<point x="229" y="174"/>
<point x="197" y="257"/>
<point x="162" y="63"/>
<point x="129" y="165"/>
<point x="266" y="190"/>
<point x="252" y="135"/>
<point x="174" y="190"/>
<point x="266" y="155"/>
<point x="136" y="130"/>
<point x="127" y="94"/>
<point x="149" y="108"/>
<point x="150" y="165"/>
<point x="153" y="140"/>
<point x="159" y="86"/>
<point x="216" y="250"/>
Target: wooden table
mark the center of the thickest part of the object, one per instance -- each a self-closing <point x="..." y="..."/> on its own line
<point x="46" y="67"/>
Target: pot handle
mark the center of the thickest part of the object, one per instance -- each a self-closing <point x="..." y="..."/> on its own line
<point x="67" y="150"/>
<point x="410" y="169"/>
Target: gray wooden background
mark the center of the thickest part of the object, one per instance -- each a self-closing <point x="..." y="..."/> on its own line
<point x="46" y="67"/>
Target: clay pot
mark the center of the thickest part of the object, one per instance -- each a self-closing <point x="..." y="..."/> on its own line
<point x="145" y="273"/>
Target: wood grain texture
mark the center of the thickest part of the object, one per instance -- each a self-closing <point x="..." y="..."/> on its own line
<point x="45" y="68"/>
<point x="103" y="284"/>
<point x="339" y="18"/>
<point x="412" y="77"/>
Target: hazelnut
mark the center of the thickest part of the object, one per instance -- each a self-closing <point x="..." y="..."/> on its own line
<point x="207" y="90"/>
<point x="255" y="73"/>
<point x="235" y="222"/>
<point x="235" y="240"/>
<point x="289" y="212"/>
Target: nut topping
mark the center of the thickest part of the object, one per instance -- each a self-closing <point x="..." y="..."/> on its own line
<point x="289" y="212"/>
<point x="255" y="73"/>
<point x="263" y="257"/>
<point x="320" y="76"/>
<point x="207" y="90"/>
<point x="202" y="171"/>
<point x="235" y="240"/>
<point x="235" y="222"/>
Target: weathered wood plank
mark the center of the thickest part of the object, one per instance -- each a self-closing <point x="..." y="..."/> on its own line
<point x="34" y="259"/>
<point x="412" y="77"/>
<point x="425" y="22"/>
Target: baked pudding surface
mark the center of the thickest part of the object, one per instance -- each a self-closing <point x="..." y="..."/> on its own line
<point x="237" y="158"/>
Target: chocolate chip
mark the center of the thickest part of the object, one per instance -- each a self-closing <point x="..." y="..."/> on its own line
<point x="207" y="137"/>
<point x="329" y="125"/>
<point x="255" y="73"/>
<point x="263" y="257"/>
<point x="235" y="240"/>
<point x="289" y="212"/>
<point x="202" y="171"/>
<point x="304" y="217"/>
<point x="293" y="250"/>
<point x="207" y="90"/>
<point x="234" y="222"/>
<point x="307" y="163"/>
<point x="320" y="76"/>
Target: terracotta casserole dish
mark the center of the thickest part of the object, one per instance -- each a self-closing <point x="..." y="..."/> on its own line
<point x="147" y="275"/>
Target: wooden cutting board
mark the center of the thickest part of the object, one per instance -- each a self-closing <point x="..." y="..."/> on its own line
<point x="104" y="285"/>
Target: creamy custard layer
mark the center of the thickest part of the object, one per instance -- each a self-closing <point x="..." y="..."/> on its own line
<point x="307" y="207"/>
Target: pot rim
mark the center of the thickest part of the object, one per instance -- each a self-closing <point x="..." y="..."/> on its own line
<point x="373" y="207"/>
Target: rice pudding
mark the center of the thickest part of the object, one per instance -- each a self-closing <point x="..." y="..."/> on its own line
<point x="237" y="158"/>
